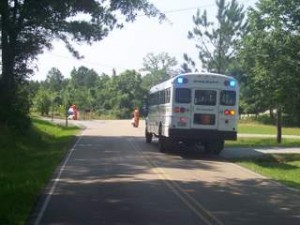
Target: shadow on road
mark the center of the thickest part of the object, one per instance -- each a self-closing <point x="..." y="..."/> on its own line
<point x="123" y="180"/>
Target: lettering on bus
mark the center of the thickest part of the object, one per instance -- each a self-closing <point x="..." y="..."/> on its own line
<point x="206" y="81"/>
<point x="203" y="109"/>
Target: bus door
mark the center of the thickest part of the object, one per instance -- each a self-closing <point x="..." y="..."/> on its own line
<point x="204" y="109"/>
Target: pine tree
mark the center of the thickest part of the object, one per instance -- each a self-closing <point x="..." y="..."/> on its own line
<point x="217" y="42"/>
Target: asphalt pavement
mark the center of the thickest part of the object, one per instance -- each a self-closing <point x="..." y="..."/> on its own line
<point x="227" y="153"/>
<point x="111" y="176"/>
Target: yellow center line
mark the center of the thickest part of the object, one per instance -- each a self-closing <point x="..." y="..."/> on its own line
<point x="186" y="198"/>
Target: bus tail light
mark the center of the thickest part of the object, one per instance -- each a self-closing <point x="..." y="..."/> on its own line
<point x="228" y="112"/>
<point x="179" y="110"/>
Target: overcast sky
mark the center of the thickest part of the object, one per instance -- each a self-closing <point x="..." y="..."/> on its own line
<point x="126" y="48"/>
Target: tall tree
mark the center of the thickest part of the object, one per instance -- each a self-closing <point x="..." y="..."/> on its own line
<point x="43" y="101"/>
<point x="158" y="68"/>
<point x="217" y="42"/>
<point x="273" y="45"/>
<point x="84" y="77"/>
<point x="28" y="26"/>
<point x="118" y="94"/>
<point x="54" y="80"/>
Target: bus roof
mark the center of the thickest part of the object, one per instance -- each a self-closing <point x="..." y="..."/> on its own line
<point x="170" y="81"/>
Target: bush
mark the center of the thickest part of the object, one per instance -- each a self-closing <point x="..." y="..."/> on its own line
<point x="266" y="119"/>
<point x="287" y="120"/>
<point x="290" y="121"/>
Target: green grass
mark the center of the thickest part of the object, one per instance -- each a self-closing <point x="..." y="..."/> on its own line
<point x="26" y="163"/>
<point x="284" y="168"/>
<point x="262" y="142"/>
<point x="256" y="128"/>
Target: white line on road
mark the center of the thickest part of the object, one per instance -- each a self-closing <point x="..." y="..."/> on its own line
<point x="56" y="180"/>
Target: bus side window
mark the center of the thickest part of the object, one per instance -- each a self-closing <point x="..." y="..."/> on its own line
<point x="156" y="98"/>
<point x="168" y="95"/>
<point x="151" y="100"/>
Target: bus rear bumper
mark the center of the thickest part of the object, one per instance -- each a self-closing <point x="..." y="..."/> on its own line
<point x="202" y="135"/>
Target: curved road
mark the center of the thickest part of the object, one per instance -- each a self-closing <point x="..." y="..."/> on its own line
<point x="111" y="176"/>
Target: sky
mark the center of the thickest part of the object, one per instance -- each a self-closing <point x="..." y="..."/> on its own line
<point x="125" y="49"/>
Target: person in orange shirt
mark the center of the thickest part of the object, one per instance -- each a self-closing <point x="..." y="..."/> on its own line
<point x="75" y="110"/>
<point x="136" y="117"/>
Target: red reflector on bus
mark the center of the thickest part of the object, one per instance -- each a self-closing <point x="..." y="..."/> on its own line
<point x="183" y="119"/>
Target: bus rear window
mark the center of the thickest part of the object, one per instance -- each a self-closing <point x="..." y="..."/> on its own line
<point x="205" y="97"/>
<point x="183" y="95"/>
<point x="228" y="98"/>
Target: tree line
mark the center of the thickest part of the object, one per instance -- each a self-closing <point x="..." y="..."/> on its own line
<point x="259" y="46"/>
<point x="109" y="96"/>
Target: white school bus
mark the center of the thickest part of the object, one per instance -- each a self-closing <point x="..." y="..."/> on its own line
<point x="193" y="108"/>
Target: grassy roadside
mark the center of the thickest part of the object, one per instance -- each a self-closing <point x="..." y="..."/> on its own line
<point x="284" y="168"/>
<point x="26" y="164"/>
<point x="256" y="128"/>
<point x="261" y="142"/>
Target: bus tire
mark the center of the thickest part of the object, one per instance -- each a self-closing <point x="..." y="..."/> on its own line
<point x="214" y="147"/>
<point x="148" y="136"/>
<point x="160" y="130"/>
<point x="166" y="144"/>
<point x="162" y="144"/>
<point x="219" y="147"/>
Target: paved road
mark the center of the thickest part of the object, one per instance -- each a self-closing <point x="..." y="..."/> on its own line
<point x="111" y="176"/>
